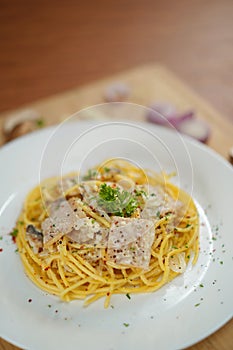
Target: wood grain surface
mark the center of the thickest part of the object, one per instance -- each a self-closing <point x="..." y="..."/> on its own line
<point x="48" y="47"/>
<point x="147" y="83"/>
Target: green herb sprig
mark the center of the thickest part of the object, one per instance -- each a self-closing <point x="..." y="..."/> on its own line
<point x="91" y="175"/>
<point x="113" y="200"/>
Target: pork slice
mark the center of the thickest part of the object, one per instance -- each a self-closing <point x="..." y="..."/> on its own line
<point x="86" y="230"/>
<point x="61" y="220"/>
<point x="75" y="204"/>
<point x="54" y="188"/>
<point x="158" y="203"/>
<point x="67" y="218"/>
<point x="130" y="242"/>
<point x="89" y="231"/>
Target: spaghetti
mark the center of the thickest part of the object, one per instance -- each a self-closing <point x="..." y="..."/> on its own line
<point x="120" y="230"/>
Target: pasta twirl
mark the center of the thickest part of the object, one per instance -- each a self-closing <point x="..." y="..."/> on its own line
<point x="120" y="229"/>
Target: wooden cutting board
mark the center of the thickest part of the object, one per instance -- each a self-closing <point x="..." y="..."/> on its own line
<point x="148" y="84"/>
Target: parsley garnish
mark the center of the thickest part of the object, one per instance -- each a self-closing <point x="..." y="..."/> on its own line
<point x="40" y="123"/>
<point x="128" y="296"/>
<point x="108" y="193"/>
<point x="91" y="175"/>
<point x="112" y="200"/>
<point x="14" y="232"/>
<point x="106" y="169"/>
<point x="140" y="193"/>
<point x="126" y="324"/>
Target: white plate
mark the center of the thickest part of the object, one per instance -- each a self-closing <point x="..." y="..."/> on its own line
<point x="181" y="313"/>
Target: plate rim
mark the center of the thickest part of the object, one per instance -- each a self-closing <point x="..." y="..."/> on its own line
<point x="187" y="139"/>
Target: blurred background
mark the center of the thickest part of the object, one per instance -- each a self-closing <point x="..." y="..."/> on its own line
<point x="51" y="46"/>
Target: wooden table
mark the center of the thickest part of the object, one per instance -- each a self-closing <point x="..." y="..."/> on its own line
<point x="50" y="47"/>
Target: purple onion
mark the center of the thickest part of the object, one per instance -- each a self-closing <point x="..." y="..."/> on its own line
<point x="165" y="114"/>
